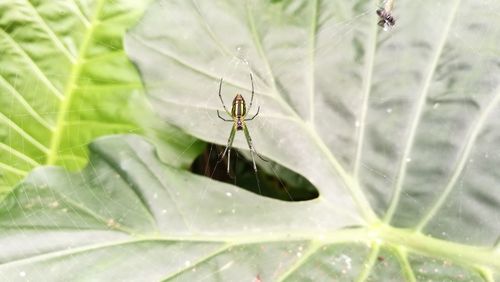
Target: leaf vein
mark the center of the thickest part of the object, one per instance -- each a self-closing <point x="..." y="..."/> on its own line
<point x="469" y="144"/>
<point x="312" y="57"/>
<point x="34" y="67"/>
<point x="198" y="262"/>
<point x="23" y="133"/>
<point x="311" y="250"/>
<point x="80" y="14"/>
<point x="370" y="60"/>
<point x="132" y="187"/>
<point x="12" y="169"/>
<point x="418" y="114"/>
<point x="402" y="257"/>
<point x="53" y="37"/>
<point x="18" y="154"/>
<point x="199" y="70"/>
<point x="70" y="87"/>
<point x="158" y="179"/>
<point x="33" y="113"/>
<point x="225" y="51"/>
<point x="369" y="263"/>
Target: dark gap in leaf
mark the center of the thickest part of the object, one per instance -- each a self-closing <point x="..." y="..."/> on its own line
<point x="276" y="181"/>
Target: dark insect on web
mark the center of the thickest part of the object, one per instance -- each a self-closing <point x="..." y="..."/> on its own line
<point x="238" y="116"/>
<point x="386" y="19"/>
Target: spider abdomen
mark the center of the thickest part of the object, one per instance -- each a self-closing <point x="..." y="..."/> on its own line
<point x="239" y="109"/>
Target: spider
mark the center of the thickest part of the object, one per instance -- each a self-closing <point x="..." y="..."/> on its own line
<point x="238" y="117"/>
<point x="386" y="19"/>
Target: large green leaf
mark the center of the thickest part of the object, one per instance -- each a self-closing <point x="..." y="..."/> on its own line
<point x="388" y="120"/>
<point x="65" y="79"/>
<point x="398" y="128"/>
<point x="397" y="131"/>
<point x="128" y="216"/>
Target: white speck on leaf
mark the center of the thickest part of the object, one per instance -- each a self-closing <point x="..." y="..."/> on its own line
<point x="227" y="265"/>
<point x="347" y="261"/>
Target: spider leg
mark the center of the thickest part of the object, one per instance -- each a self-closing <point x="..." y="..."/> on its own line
<point x="252" y="152"/>
<point x="258" y="109"/>
<point x="228" y="147"/>
<point x="261" y="157"/>
<point x="220" y="96"/>
<point x="218" y="114"/>
<point x="251" y="99"/>
<point x="252" y="149"/>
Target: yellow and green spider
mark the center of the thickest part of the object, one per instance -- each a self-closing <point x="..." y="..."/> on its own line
<point x="238" y="117"/>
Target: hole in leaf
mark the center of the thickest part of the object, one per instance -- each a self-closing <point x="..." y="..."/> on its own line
<point x="275" y="181"/>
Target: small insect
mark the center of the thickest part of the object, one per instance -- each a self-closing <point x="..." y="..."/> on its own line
<point x="238" y="116"/>
<point x="386" y="19"/>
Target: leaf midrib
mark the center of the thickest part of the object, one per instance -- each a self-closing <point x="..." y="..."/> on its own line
<point x="384" y="235"/>
<point x="70" y="87"/>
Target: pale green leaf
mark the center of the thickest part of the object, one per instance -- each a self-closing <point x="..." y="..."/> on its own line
<point x="396" y="127"/>
<point x="129" y="217"/>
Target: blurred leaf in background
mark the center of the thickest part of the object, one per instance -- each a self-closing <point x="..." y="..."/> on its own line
<point x="64" y="80"/>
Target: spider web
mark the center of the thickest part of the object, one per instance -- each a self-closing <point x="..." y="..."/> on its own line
<point x="234" y="69"/>
<point x="394" y="112"/>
